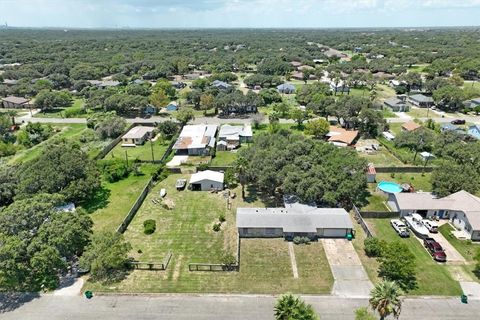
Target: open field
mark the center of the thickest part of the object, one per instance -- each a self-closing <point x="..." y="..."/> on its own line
<point x="186" y="231"/>
<point x="112" y="202"/>
<point x="142" y="152"/>
<point x="421" y="113"/>
<point x="382" y="158"/>
<point x="77" y="108"/>
<point x="433" y="278"/>
<point x="67" y="131"/>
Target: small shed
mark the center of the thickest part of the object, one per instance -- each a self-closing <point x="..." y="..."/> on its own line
<point x="207" y="180"/>
<point x="222" y="145"/>
<point x="371" y="173"/>
<point x="388" y="135"/>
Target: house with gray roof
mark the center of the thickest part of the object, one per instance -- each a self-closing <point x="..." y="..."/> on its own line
<point x="396" y="105"/>
<point x="420" y="100"/>
<point x="450" y="127"/>
<point x="231" y="137"/>
<point x="221" y="85"/>
<point x="295" y="219"/>
<point x="286" y="88"/>
<point x="461" y="208"/>
<point x="12" y="102"/>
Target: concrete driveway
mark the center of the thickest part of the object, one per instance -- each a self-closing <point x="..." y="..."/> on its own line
<point x="453" y="256"/>
<point x="351" y="280"/>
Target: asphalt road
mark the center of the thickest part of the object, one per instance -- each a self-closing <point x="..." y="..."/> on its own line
<point x="214" y="307"/>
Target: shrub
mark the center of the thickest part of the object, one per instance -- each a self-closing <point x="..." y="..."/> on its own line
<point x="397" y="263"/>
<point x="301" y="240"/>
<point x="114" y="170"/>
<point x="149" y="226"/>
<point x="221" y="218"/>
<point x="216" y="227"/>
<point x="373" y="247"/>
<point x="203" y="166"/>
<point x="73" y="112"/>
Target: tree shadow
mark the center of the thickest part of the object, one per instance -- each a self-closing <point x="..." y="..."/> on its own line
<point x="99" y="200"/>
<point x="253" y="194"/>
<point x="12" y="301"/>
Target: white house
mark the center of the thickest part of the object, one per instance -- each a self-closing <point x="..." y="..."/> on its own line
<point x="461" y="208"/>
<point x="137" y="136"/>
<point x="207" y="180"/>
<point x="196" y="140"/>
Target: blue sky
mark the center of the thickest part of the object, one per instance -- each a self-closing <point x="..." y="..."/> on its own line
<point x="239" y="13"/>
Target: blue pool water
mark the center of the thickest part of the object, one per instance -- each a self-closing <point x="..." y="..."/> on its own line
<point x="389" y="187"/>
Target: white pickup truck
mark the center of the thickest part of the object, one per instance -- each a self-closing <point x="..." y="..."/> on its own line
<point x="400" y="228"/>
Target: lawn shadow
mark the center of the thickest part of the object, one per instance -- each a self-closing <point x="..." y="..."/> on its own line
<point x="12" y="301"/>
<point x="253" y="194"/>
<point x="97" y="201"/>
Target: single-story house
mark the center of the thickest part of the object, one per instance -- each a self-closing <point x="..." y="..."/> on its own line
<point x="221" y="85"/>
<point x="474" y="131"/>
<point x="207" y="180"/>
<point x="396" y="105"/>
<point x="305" y="67"/>
<point x="410" y="126"/>
<point x="339" y="87"/>
<point x="286" y="88"/>
<point x="296" y="64"/>
<point x="450" y="127"/>
<point x="104" y="83"/>
<point x="297" y="75"/>
<point x="461" y="208"/>
<point x="12" y="102"/>
<point x="233" y="136"/>
<point x="472" y="103"/>
<point x="421" y="100"/>
<point x="179" y="84"/>
<point x="294" y="220"/>
<point x="196" y="140"/>
<point x="333" y="53"/>
<point x="341" y="137"/>
<point x="371" y="173"/>
<point x="137" y="136"/>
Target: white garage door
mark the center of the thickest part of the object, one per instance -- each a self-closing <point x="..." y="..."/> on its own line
<point x="334" y="233"/>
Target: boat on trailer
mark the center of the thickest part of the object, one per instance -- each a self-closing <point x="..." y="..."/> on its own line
<point x="414" y="222"/>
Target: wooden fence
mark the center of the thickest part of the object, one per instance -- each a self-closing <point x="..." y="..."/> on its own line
<point x="218" y="266"/>
<point x="153" y="265"/>
<point x="411" y="169"/>
<point x="358" y="217"/>
<point x="380" y="214"/>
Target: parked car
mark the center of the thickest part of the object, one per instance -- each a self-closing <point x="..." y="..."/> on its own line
<point x="432" y="226"/>
<point x="458" y="121"/>
<point x="435" y="249"/>
<point x="400" y="228"/>
<point x="180" y="184"/>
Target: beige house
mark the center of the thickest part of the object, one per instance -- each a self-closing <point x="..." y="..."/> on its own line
<point x="137" y="136"/>
<point x="12" y="102"/>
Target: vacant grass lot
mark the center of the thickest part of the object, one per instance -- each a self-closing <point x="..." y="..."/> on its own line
<point x="382" y="158"/>
<point x="433" y="278"/>
<point x="143" y="152"/>
<point x="187" y="232"/>
<point x="113" y="201"/>
<point x="68" y="131"/>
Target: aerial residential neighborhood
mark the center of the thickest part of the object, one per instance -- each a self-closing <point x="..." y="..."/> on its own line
<point x="170" y="166"/>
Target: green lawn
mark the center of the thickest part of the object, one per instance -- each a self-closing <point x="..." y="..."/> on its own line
<point x="466" y="248"/>
<point x="433" y="278"/>
<point x="385" y="92"/>
<point x="376" y="202"/>
<point x="224" y="158"/>
<point x="387" y="113"/>
<point x="143" y="152"/>
<point x="112" y="202"/>
<point x="60" y="113"/>
<point x="421" y="113"/>
<point x="186" y="231"/>
<point x="382" y="158"/>
<point x="417" y="180"/>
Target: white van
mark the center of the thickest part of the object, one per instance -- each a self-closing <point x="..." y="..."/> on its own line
<point x="432" y="226"/>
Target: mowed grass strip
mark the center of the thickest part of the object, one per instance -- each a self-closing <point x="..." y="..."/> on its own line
<point x="433" y="278"/>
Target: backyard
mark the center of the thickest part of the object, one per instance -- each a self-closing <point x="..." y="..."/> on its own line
<point x="140" y="152"/>
<point x="382" y="158"/>
<point x="433" y="278"/>
<point x="224" y="158"/>
<point x="186" y="230"/>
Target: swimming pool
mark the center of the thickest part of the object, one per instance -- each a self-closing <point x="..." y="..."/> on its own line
<point x="389" y="187"/>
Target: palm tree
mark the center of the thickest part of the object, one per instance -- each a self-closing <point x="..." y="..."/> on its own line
<point x="240" y="168"/>
<point x="285" y="307"/>
<point x="386" y="299"/>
